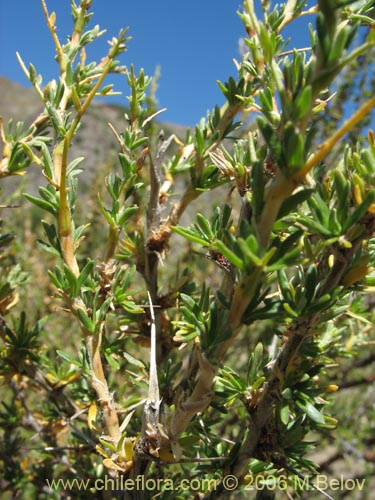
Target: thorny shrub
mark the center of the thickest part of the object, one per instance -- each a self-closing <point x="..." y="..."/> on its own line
<point x="244" y="313"/>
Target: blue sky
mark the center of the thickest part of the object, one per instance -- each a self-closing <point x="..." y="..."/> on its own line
<point x="194" y="43"/>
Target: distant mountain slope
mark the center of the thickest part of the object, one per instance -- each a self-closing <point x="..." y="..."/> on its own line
<point x="95" y="141"/>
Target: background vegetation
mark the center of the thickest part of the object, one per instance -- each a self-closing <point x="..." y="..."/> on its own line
<point x="196" y="304"/>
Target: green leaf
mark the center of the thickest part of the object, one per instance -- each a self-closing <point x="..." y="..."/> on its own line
<point x="342" y="188"/>
<point x="48" y="248"/>
<point x="266" y="99"/>
<point x="285" y="413"/>
<point x="185" y="335"/>
<point x="74" y="164"/>
<point x="294" y="147"/>
<point x="133" y="361"/>
<point x="32" y="74"/>
<point x="232" y="379"/>
<point x="286" y="248"/>
<point x="271" y="139"/>
<point x="205" y="226"/>
<point x="340" y="43"/>
<point x="258" y="182"/>
<point x="54" y="279"/>
<point x="255" y="364"/>
<point x="51" y="234"/>
<point x="66" y="357"/>
<point x="315" y="226"/>
<point x="106" y="213"/>
<point x="284" y="285"/>
<point x="225" y="215"/>
<point x="302" y="103"/>
<point x="291" y="312"/>
<point x="126" y="213"/>
<point x="85" y="320"/>
<point x="189" y="316"/>
<point x="131" y="307"/>
<point x="247" y="248"/>
<point x="368" y="160"/>
<point x="49" y="194"/>
<point x="334" y="223"/>
<point x="46" y="159"/>
<point x="222" y="87"/>
<point x="259" y="382"/>
<point x="231" y="256"/>
<point x="199" y="141"/>
<point x="72" y="280"/>
<point x="190" y="235"/>
<point x="312" y="412"/>
<point x="86" y="271"/>
<point x="321" y="304"/>
<point x="45" y="205"/>
<point x="311" y="282"/>
<point x="60" y="276"/>
<point x="113" y="362"/>
<point x="323" y="35"/>
<point x="360" y="211"/>
<point x="189" y="301"/>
